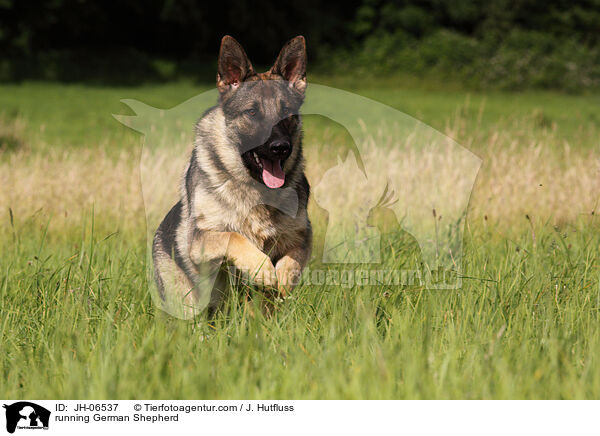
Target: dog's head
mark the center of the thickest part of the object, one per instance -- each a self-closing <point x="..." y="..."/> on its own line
<point x="262" y="109"/>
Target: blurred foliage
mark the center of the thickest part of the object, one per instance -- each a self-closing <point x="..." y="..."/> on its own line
<point x="497" y="43"/>
<point x="523" y="59"/>
<point x="127" y="41"/>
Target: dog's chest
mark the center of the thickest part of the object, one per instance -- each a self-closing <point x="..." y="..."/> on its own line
<point x="269" y="229"/>
<point x="261" y="225"/>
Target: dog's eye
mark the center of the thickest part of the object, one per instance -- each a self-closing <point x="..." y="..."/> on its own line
<point x="250" y="112"/>
<point x="286" y="111"/>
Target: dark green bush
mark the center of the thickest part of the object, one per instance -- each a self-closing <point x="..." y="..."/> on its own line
<point x="523" y="59"/>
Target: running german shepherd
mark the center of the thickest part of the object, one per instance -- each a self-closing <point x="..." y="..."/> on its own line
<point x="244" y="193"/>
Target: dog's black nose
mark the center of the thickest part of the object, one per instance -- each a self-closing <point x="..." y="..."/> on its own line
<point x="280" y="148"/>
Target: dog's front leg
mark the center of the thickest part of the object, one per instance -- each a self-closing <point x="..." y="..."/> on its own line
<point x="289" y="269"/>
<point x="237" y="249"/>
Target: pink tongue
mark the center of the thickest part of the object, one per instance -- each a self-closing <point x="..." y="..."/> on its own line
<point x="272" y="175"/>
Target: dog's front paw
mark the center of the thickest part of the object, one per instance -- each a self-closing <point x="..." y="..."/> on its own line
<point x="288" y="272"/>
<point x="258" y="268"/>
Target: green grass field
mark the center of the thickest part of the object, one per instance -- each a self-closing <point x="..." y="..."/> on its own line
<point x="76" y="320"/>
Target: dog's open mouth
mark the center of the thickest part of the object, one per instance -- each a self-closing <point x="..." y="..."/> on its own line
<point x="272" y="173"/>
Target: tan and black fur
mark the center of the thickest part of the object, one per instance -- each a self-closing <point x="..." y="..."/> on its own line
<point x="226" y="211"/>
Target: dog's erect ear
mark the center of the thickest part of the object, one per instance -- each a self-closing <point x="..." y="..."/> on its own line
<point x="233" y="65"/>
<point x="291" y="63"/>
